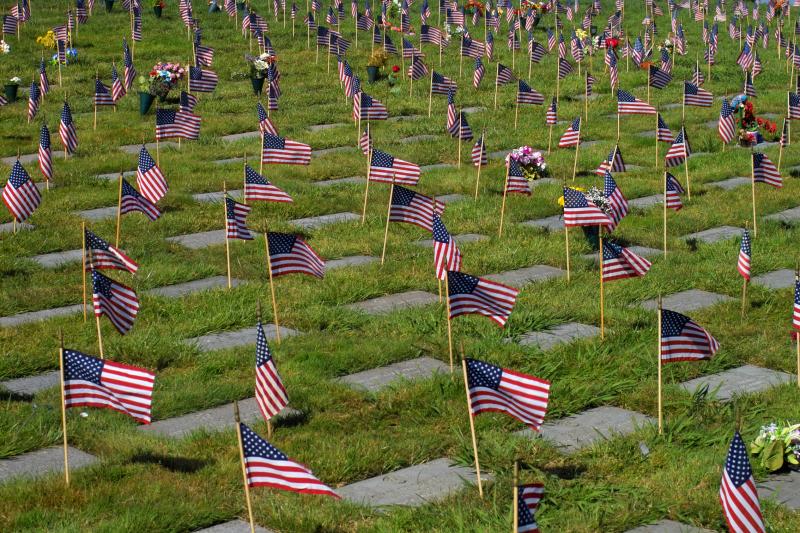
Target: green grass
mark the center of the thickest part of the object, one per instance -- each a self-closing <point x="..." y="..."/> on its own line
<point x="145" y="483"/>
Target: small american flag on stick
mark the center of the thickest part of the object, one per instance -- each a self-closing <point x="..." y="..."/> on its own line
<point x="258" y="188"/>
<point x="682" y="339"/>
<point x="472" y="295"/>
<point x="386" y="168"/>
<point x="116" y="301"/>
<point x="278" y="150"/>
<point x="271" y="395"/>
<point x="290" y="254"/>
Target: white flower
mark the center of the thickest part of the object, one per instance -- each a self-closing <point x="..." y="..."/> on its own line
<point x="260" y="65"/>
<point x="4" y="47"/>
<point x="16" y="79"/>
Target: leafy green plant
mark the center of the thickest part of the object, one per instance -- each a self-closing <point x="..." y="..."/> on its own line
<point x="777" y="446"/>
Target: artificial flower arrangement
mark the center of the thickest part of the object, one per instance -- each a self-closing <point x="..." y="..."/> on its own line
<point x="5" y="48"/>
<point x="532" y="163"/>
<point x="473" y="6"/>
<point x="777" y="446"/>
<point x="71" y="55"/>
<point x="612" y="42"/>
<point x="259" y="65"/>
<point x="16" y="80"/>
<point x="378" y="58"/>
<point x="48" y="40"/>
<point x="163" y="77"/>
<point x="752" y="129"/>
<point x="594" y="195"/>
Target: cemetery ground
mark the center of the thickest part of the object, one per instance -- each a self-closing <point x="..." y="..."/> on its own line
<point x="146" y="481"/>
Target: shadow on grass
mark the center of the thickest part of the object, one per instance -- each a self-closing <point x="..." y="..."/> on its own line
<point x="173" y="464"/>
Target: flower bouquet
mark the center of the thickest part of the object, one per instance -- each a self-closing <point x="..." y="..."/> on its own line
<point x="752" y="129"/>
<point x="71" y="55"/>
<point x="259" y="66"/>
<point x="596" y="196"/>
<point x="48" y="40"/>
<point x="777" y="446"/>
<point x="473" y="6"/>
<point x="532" y="163"/>
<point x="5" y="48"/>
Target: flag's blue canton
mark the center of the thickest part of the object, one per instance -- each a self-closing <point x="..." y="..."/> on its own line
<point x="146" y="161"/>
<point x="438" y="78"/>
<point x="127" y="190"/>
<point x="450" y="97"/>
<point x="611" y="251"/>
<point x="66" y="115"/>
<point x="726" y="110"/>
<point x="690" y="88"/>
<point x="737" y="465"/>
<point x="758" y="158"/>
<point x="440" y="233"/>
<point x="230" y="208"/>
<point x="574" y="199"/>
<point x="165" y="116"/>
<point x="402" y="196"/>
<point x="281" y="243"/>
<point x="672" y="323"/>
<point x="82" y="367"/>
<point x="273" y="142"/>
<point x="524" y="514"/>
<point x="745" y="247"/>
<point x="101" y="284"/>
<point x="459" y="283"/>
<point x="44" y="137"/>
<point x="576" y="124"/>
<point x="625" y="96"/>
<point x="514" y="169"/>
<point x="252" y="177"/>
<point x="195" y="73"/>
<point x="480" y="374"/>
<point x="263" y="355"/>
<point x="382" y="159"/>
<point x="794" y="99"/>
<point x="661" y="124"/>
<point x="94" y="242"/>
<point x="18" y="175"/>
<point x="366" y="101"/>
<point x="262" y="114"/>
<point x="255" y="446"/>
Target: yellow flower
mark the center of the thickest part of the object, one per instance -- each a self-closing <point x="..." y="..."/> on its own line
<point x="561" y="198"/>
<point x="581" y="34"/>
<point x="48" y="40"/>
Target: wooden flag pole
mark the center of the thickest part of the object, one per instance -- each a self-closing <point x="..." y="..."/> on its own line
<point x="472" y="428"/>
<point x="83" y="265"/>
<point x="577" y="147"/>
<point x="272" y="289"/>
<point x="503" y="205"/>
<point x="566" y="246"/>
<point x="558" y="82"/>
<point x="460" y="59"/>
<point x="753" y="188"/>
<point x="586" y="97"/>
<point x="99" y="335"/>
<point x="388" y="214"/>
<point x="449" y="321"/>
<point x="244" y="468"/>
<point x="665" y="213"/>
<point x="366" y="187"/>
<point x="602" y="285"/>
<point x="648" y="85"/>
<point x="119" y="211"/>
<point x="786" y="139"/>
<point x="497" y="72"/>
<point x="480" y="162"/>
<point x="225" y="226"/>
<point x="430" y="96"/>
<point x="660" y="392"/>
<point x="550" y="140"/>
<point x="63" y="404"/>
<point x="515" y="504"/>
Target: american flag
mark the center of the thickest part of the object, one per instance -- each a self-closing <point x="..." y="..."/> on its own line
<point x="564" y="68"/>
<point x="460" y="129"/>
<point x="368" y="108"/>
<point x="10" y="23"/>
<point x="516" y="182"/>
<point x="528" y="498"/>
<point x="115" y="300"/>
<point x="414" y="208"/>
<point x="504" y="74"/>
<point x="679" y="151"/>
<point x="551" y="117"/>
<point x="745" y="59"/>
<point x="793" y="104"/>
<point x="80" y="11"/>
<point x="784" y="140"/>
<point x="796" y="309"/>
<point x="757" y="67"/>
<point x="365" y="142"/>
<point x="102" y="256"/>
<point x="489" y="46"/>
<point x="472" y="48"/>
<point x="131" y="201"/>
<point x="663" y="133"/>
<point x="455" y="17"/>
<point x="187" y="101"/>
<point x="136" y="29"/>
<point x="765" y="171"/>
<point x="472" y="295"/>
<point x="442" y="84"/>
<point x="171" y="123"/>
<point x="409" y="50"/>
<point x="616" y="200"/>
<point x="737" y="492"/>
<point x="562" y="47"/>
<point x="330" y="18"/>
<point x="496" y="389"/>
<point x="611" y="60"/>
<point x="45" y="153"/>
<point x="590" y="80"/>
<point x="93" y="382"/>
<point x="627" y="104"/>
<point x="479" y="156"/>
<point x="572" y="136"/>
<point x="696" y="96"/>
<point x="61" y="51"/>
<point x="202" y="81"/>
<point x="149" y="177"/>
<point x="580" y="211"/>
<point x="527" y="95"/>
<point x="551" y="39"/>
<point x="477" y="75"/>
<point x="34" y="99"/>
<point x="386" y="168"/>
<point x="638" y="51"/>
<point x="658" y="78"/>
<point x="535" y="50"/>
<point x="666" y="62"/>
<point x="697" y="76"/>
<point x="267" y="466"/>
<point x="236" y="220"/>
<point x="270" y="393"/>
<point x="446" y="255"/>
<point x="613" y="163"/>
<point x="204" y="55"/>
<point x="417" y="69"/>
<point x="130" y="70"/>
<point x="431" y="35"/>
<point x="102" y="94"/>
<point x="278" y="150"/>
<point x="20" y="193"/>
<point x="44" y="83"/>
<point x="684" y="340"/>
<point x="117" y="88"/>
<point x="289" y="254"/>
<point x="727" y="123"/>
<point x="66" y="130"/>
<point x="620" y="263"/>
<point x="258" y="188"/>
<point x="265" y="125"/>
<point x="673" y="191"/>
<point x="743" y="263"/>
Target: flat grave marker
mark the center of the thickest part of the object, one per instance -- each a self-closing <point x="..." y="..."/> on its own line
<point x="30" y="385"/>
<point x="100" y="213"/>
<point x="436" y="166"/>
<point x="241" y="136"/>
<point x="8" y="227"/>
<point x="151" y="147"/>
<point x="685" y="301"/>
<point x="237" y="338"/>
<point x="745" y="379"/>
<point x="788" y="216"/>
<point x="783" y="489"/>
<point x="418" y="138"/>
<point x="37" y="316"/>
<point x="394" y="302"/>
<point x="777" y="279"/>
<point x="551" y="223"/>
<point x="198" y="285"/>
<point x="646" y="201"/>
<point x="216" y="196"/>
<point x="203" y="239"/>
<point x="44" y="461"/>
<point x="56" y="259"/>
<point x="713" y="235"/>
<point x="332" y="150"/>
<point x="561" y="334"/>
<point x="350" y="261"/>
<point x="115" y="175"/>
<point x="377" y="378"/>
<point x="340" y="181"/>
<point x="234" y="526"/>
<point x="522" y="276"/>
<point x="460" y="239"/>
<point x="731" y="183"/>
<point x="310" y="223"/>
<point x="668" y="526"/>
<point x="323" y="127"/>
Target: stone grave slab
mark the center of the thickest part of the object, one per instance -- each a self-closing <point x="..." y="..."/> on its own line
<point x="672" y="106"/>
<point x="646" y="201"/>
<point x="522" y="276"/>
<point x="195" y="241"/>
<point x="151" y="147"/>
<point x="234" y="339"/>
<point x="715" y="234"/>
<point x="322" y="127"/>
<point x="56" y="259"/>
<point x="182" y="289"/>
<point x="713" y="124"/>
<point x="731" y="183"/>
<point x="8" y="227"/>
<point x="234" y="526"/>
<point x="229" y="160"/>
<point x="576" y="432"/>
<point x="38" y="316"/>
<point x="418" y="138"/>
<point x="394" y="302"/>
<point x="31" y="158"/>
<point x="340" y="181"/>
<point x="649" y="134"/>
<point x="240" y="136"/>
<point x="644" y="251"/>
<point x="324" y="220"/>
<point x="451" y="198"/>
<point x="686" y="301"/>
<point x="403" y="118"/>
<point x="582" y="96"/>
<point x="561" y="334"/>
<point x="553" y="223"/>
<point x="332" y="150"/>
<point x="101" y="213"/>
<point x="115" y="175"/>
<point x="777" y="279"/>
<point x="788" y="216"/>
<point x="633" y="168"/>
<point x="499" y="154"/>
<point x="589" y="144"/>
<point x="30" y="385"/>
<point x="699" y="154"/>
<point x="745" y="379"/>
<point x="460" y="239"/>
<point x="794" y="170"/>
<point x="781" y="488"/>
<point x="668" y="526"/>
<point x="377" y="378"/>
<point x="45" y="461"/>
<point x="350" y="261"/>
<point x="412" y="486"/>
<point x="214" y="419"/>
<point x="437" y="166"/>
<point x="469" y="110"/>
<point x="216" y="196"/>
<point x="543" y="181"/>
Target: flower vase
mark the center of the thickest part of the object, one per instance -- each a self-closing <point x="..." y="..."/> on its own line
<point x="213" y="7"/>
<point x="145" y="101"/>
<point x="372" y="74"/>
<point x="239" y="6"/>
<point x="11" y="92"/>
<point x="157" y="10"/>
<point x="258" y="85"/>
<point x="109" y="5"/>
<point x="592" y="235"/>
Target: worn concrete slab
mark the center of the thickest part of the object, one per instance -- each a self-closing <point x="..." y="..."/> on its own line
<point x="561" y="334"/>
<point x="101" y="213"/>
<point x="783" y="489"/>
<point x="324" y="220"/>
<point x="649" y="134"/>
<point x="30" y="385"/>
<point x="715" y="234"/>
<point x="234" y="526"/>
<point x="451" y="198"/>
<point x="469" y="110"/>
<point x="323" y="127"/>
<point x="777" y="279"/>
<point x="579" y="431"/>
<point x="235" y="339"/>
<point x="686" y="301"/>
<point x="582" y="96"/>
<point x="403" y="118"/>
<point x="544" y="181"/>
<point x="341" y="181"/>
<point x="151" y="147"/>
<point x="195" y="241"/>
<point x="589" y="144"/>
<point x="377" y="378"/>
<point x="672" y="106"/>
<point x="38" y="316"/>
<point x="216" y="196"/>
<point x="499" y="154"/>
<point x="418" y="138"/>
<point x="553" y="223"/>
<point x="213" y="419"/>
<point x="8" y="227"/>
<point x="412" y="486"/>
<point x="332" y="150"/>
<point x="522" y="276"/>
<point x="731" y="183"/>
<point x="633" y="168"/>
<point x="350" y="261"/>
<point x="668" y="526"/>
<point x="56" y="259"/>
<point x="437" y="166"/>
<point x="229" y="161"/>
<point x="115" y="175"/>
<point x="241" y="136"/>
<point x="747" y="379"/>
<point x="45" y="461"/>
<point x="394" y="302"/>
<point x="646" y="201"/>
<point x="182" y="289"/>
<point x="460" y="239"/>
<point x="26" y="159"/>
<point x="712" y="124"/>
<point x="788" y="216"/>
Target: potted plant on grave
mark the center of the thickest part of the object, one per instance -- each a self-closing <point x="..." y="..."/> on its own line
<point x="240" y="6"/>
<point x="11" y="87"/>
<point x="145" y="96"/>
<point x="777" y="446"/>
<point x="158" y="7"/>
<point x="259" y="66"/>
<point x="164" y="77"/>
<point x="109" y="5"/>
<point x="377" y="60"/>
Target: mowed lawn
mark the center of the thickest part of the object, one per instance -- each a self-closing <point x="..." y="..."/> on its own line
<point x="148" y="483"/>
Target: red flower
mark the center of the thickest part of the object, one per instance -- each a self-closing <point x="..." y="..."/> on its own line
<point x="395" y="68"/>
<point x="612" y="42"/>
<point x="760" y="121"/>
